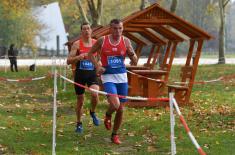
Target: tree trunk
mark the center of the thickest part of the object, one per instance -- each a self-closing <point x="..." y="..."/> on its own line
<point x="82" y="11"/>
<point x="173" y="6"/>
<point x="99" y="11"/>
<point x="142" y="5"/>
<point x="222" y="32"/>
<point x="96" y="12"/>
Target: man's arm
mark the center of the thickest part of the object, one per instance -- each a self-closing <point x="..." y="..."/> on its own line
<point x="72" y="57"/>
<point x="96" y="48"/>
<point x="130" y="52"/>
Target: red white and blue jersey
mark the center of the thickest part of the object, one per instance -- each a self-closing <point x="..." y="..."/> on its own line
<point x="112" y="59"/>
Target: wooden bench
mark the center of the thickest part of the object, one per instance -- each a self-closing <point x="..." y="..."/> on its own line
<point x="183" y="91"/>
<point x="142" y="86"/>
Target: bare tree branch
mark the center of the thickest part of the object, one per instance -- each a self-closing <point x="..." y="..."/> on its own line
<point x="82" y="11"/>
<point x="225" y="3"/>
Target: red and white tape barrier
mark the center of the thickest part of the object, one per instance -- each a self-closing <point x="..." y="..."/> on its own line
<point x="157" y="80"/>
<point x="120" y="96"/>
<point x="22" y="80"/>
<point x="199" y="149"/>
<point x="201" y="82"/>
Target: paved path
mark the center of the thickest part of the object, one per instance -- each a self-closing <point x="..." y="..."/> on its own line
<point x="48" y="62"/>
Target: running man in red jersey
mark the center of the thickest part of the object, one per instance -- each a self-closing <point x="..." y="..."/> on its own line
<point x="112" y="50"/>
<point x="85" y="73"/>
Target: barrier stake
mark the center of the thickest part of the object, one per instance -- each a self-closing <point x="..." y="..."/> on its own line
<point x="172" y="125"/>
<point x="54" y="114"/>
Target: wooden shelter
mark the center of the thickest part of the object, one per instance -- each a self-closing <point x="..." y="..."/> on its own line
<point x="160" y="29"/>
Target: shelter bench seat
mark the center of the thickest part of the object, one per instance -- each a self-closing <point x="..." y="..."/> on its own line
<point x="142" y="86"/>
<point x="182" y="91"/>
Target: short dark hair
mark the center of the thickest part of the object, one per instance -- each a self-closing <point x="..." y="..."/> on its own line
<point x="115" y="21"/>
<point x="84" y="23"/>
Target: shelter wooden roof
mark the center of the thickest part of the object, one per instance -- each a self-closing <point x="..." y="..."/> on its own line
<point x="157" y="25"/>
<point x="156" y="19"/>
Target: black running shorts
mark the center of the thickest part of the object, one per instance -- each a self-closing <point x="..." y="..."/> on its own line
<point x="85" y="78"/>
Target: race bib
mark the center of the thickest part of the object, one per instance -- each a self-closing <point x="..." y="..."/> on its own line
<point x="115" y="61"/>
<point x="86" y="65"/>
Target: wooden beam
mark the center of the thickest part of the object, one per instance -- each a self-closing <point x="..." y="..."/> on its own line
<point x="132" y="29"/>
<point x="140" y="25"/>
<point x="195" y="65"/>
<point x="150" y="55"/>
<point x="138" y="51"/>
<point x="185" y="32"/>
<point x="167" y="53"/>
<point x="166" y="32"/>
<point x="172" y="56"/>
<point x="152" y="37"/>
<point x="190" y="52"/>
<point x="153" y="21"/>
<point x="133" y="38"/>
<point x="155" y="57"/>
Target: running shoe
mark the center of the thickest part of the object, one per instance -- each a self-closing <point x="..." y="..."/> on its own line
<point x="79" y="128"/>
<point x="96" y="121"/>
<point x="115" y="139"/>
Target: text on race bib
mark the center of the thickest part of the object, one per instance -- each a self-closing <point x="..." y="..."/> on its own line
<point x="115" y="61"/>
<point x="86" y="65"/>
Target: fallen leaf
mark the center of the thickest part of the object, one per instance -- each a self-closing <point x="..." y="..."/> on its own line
<point x="26" y="129"/>
<point x="2" y="128"/>
<point x="69" y="123"/>
<point x="43" y="145"/>
<point x="87" y="136"/>
<point x="130" y="134"/>
<point x="17" y="105"/>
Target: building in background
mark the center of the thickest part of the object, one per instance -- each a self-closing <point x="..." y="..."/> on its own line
<point x="51" y="19"/>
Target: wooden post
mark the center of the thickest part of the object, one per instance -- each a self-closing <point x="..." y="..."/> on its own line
<point x="150" y="55"/>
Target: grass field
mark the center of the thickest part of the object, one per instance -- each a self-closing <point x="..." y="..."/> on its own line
<point x="26" y="119"/>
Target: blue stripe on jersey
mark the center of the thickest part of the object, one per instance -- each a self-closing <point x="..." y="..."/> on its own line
<point x="109" y="70"/>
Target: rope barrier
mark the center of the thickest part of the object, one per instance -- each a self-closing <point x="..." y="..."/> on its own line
<point x="222" y="78"/>
<point x="119" y="96"/>
<point x="182" y="120"/>
<point x="201" y="82"/>
<point x="25" y="79"/>
<point x="157" y="80"/>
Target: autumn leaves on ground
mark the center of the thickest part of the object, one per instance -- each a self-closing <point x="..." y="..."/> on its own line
<point x="26" y="119"/>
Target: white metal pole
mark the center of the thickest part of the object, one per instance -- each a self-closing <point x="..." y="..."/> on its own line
<point x="60" y="70"/>
<point x="172" y="124"/>
<point x="54" y="114"/>
<point x="53" y="63"/>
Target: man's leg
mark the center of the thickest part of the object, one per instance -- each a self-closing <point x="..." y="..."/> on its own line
<point x="118" y="119"/>
<point x="16" y="68"/>
<point x="11" y="65"/>
<point x="94" y="102"/>
<point x="94" y="97"/>
<point x="80" y="101"/>
<point x="117" y="124"/>
<point x="113" y="103"/>
<point x="122" y="89"/>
